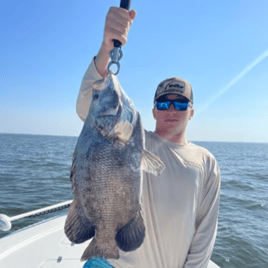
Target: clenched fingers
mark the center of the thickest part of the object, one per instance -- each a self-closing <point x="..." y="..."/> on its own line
<point x="117" y="25"/>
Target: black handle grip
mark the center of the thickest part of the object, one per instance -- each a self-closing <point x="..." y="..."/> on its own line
<point x="126" y="5"/>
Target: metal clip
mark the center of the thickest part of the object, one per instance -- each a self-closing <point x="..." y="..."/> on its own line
<point x="116" y="54"/>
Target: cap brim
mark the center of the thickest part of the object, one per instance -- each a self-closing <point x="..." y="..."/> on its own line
<point x="172" y="93"/>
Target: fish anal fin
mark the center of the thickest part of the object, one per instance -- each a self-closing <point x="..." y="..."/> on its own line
<point x="131" y="236"/>
<point x="151" y="163"/>
<point x="77" y="227"/>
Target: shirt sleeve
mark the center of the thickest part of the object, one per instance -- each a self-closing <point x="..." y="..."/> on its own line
<point x="85" y="92"/>
<point x="206" y="221"/>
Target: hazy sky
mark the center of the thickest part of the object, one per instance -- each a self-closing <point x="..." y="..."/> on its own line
<point x="220" y="47"/>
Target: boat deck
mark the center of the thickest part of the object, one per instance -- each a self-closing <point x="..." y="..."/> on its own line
<point x="43" y="245"/>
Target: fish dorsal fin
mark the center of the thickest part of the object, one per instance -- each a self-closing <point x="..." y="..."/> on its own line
<point x="151" y="163"/>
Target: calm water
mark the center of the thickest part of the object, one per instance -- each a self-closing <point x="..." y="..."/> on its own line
<point x="34" y="173"/>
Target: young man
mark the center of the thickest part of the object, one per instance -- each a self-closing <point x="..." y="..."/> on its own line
<point x="180" y="207"/>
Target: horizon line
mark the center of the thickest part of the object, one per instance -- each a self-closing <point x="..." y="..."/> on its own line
<point x="71" y="136"/>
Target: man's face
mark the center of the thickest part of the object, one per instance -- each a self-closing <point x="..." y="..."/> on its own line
<point x="173" y="120"/>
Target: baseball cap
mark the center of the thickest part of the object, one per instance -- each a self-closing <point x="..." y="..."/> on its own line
<point x="174" y="85"/>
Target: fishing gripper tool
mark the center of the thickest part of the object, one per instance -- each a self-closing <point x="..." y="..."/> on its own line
<point x="116" y="53"/>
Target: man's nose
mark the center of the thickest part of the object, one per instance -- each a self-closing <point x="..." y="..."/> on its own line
<point x="171" y="108"/>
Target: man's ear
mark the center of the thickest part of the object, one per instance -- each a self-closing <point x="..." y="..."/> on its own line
<point x="153" y="110"/>
<point x="191" y="114"/>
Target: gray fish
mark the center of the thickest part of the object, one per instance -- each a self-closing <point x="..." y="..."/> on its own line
<point x="106" y="175"/>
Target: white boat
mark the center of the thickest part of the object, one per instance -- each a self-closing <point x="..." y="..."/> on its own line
<point x="43" y="245"/>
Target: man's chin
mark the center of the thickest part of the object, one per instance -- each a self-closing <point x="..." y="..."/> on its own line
<point x="171" y="123"/>
<point x="171" y="126"/>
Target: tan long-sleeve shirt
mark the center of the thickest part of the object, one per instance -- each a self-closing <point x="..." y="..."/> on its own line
<point x="180" y="207"/>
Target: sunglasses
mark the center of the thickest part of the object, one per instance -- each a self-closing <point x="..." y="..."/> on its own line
<point x="179" y="106"/>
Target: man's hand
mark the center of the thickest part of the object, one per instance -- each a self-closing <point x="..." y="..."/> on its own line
<point x="117" y="25"/>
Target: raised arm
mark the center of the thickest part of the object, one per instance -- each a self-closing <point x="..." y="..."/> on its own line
<point x="117" y="25"/>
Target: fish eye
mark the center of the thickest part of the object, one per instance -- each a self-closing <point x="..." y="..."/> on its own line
<point x="96" y="96"/>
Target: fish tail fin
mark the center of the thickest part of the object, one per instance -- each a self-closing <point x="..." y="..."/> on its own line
<point x="97" y="249"/>
<point x="151" y="163"/>
<point x="131" y="235"/>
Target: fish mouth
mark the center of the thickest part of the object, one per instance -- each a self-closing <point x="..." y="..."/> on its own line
<point x="110" y="112"/>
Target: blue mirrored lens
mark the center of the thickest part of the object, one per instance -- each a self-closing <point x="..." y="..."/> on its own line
<point x="180" y="105"/>
<point x="163" y="105"/>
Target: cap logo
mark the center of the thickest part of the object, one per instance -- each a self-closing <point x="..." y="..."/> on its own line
<point x="175" y="85"/>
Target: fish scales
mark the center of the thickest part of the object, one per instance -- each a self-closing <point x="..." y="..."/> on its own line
<point x="111" y="185"/>
<point x="106" y="175"/>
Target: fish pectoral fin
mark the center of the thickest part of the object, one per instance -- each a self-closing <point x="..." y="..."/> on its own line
<point x="123" y="131"/>
<point x="77" y="227"/>
<point x="151" y="163"/>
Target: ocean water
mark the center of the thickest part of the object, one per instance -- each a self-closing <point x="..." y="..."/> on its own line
<point x="34" y="173"/>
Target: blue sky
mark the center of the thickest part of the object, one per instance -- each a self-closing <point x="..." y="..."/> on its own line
<point x="220" y="47"/>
